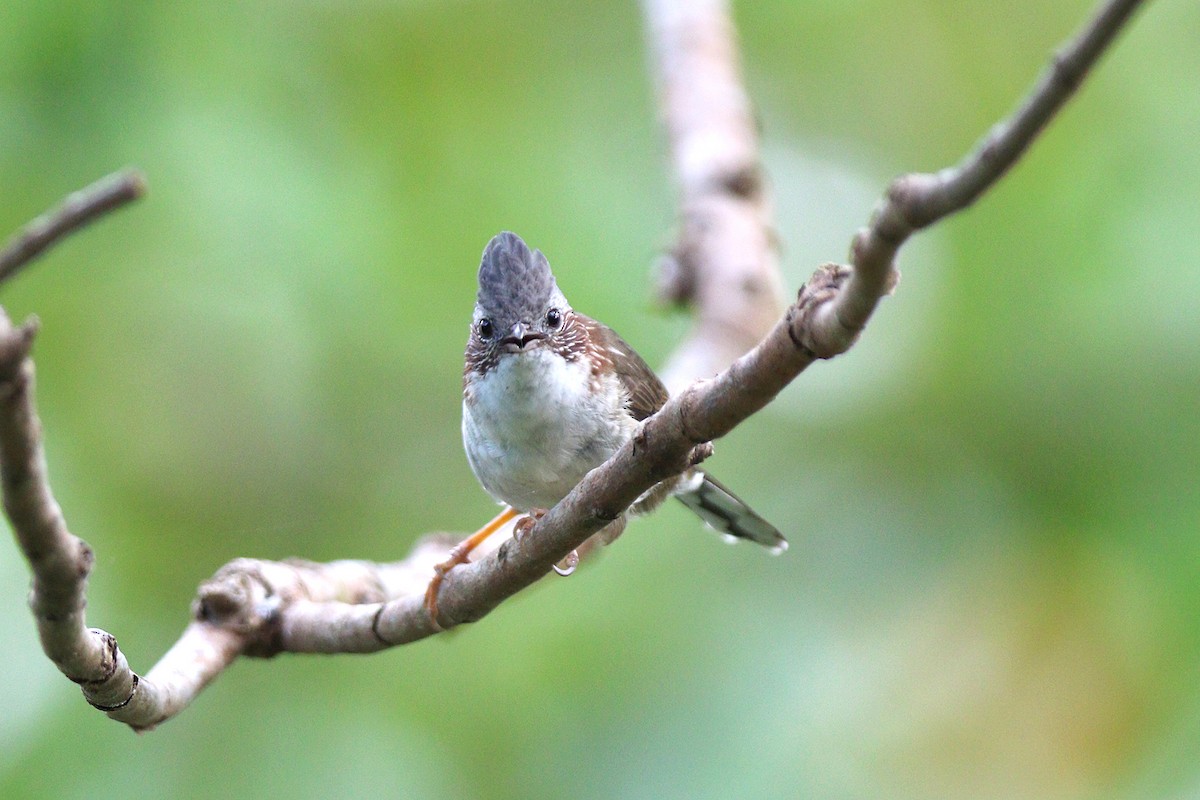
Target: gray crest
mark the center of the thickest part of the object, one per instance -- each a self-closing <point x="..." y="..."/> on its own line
<point x="515" y="283"/>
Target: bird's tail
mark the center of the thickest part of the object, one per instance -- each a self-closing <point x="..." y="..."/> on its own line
<point x="727" y="513"/>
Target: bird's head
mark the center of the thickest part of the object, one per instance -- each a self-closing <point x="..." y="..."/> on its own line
<point x="519" y="307"/>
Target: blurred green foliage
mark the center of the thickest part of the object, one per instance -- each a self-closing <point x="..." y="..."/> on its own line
<point x="993" y="501"/>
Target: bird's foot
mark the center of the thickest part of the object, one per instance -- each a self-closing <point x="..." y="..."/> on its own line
<point x="568" y="564"/>
<point x="460" y="555"/>
<point x="525" y="524"/>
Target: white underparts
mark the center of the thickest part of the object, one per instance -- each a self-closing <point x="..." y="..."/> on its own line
<point x="533" y="426"/>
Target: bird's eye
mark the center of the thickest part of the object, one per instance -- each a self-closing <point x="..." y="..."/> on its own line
<point x="553" y="318"/>
<point x="484" y="328"/>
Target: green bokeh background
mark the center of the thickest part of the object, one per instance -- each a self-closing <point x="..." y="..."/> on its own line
<point x="993" y="501"/>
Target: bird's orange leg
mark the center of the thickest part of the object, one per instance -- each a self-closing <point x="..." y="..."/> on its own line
<point x="459" y="555"/>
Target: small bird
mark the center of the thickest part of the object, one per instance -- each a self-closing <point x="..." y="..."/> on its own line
<point x="549" y="394"/>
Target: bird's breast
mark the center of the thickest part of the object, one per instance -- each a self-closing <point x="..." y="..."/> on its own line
<point x="535" y="423"/>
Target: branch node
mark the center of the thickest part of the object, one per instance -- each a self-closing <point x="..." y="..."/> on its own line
<point x="908" y="206"/>
<point x="379" y="635"/>
<point x="747" y="182"/>
<point x="807" y="327"/>
<point x="793" y="330"/>
<point x="134" y="680"/>
<point x="109" y="661"/>
<point x="237" y="597"/>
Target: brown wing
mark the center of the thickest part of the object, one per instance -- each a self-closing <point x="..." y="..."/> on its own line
<point x="647" y="393"/>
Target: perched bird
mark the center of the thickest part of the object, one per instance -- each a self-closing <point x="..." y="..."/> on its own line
<point x="550" y="393"/>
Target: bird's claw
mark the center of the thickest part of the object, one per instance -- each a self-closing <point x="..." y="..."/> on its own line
<point x="457" y="556"/>
<point x="460" y="554"/>
<point x="568" y="563"/>
<point x="525" y="524"/>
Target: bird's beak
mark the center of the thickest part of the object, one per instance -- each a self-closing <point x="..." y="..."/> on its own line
<point x="520" y="337"/>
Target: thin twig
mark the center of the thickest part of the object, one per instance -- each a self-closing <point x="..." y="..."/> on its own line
<point x="60" y="561"/>
<point x="916" y="201"/>
<point x="78" y="209"/>
<point x="262" y="608"/>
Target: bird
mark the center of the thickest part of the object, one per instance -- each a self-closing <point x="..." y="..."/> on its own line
<point x="549" y="394"/>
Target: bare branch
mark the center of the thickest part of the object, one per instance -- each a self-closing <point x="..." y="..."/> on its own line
<point x="60" y="562"/>
<point x="916" y="201"/>
<point x="726" y="260"/>
<point x="958" y="187"/>
<point x="260" y="608"/>
<point x="248" y="607"/>
<point x="78" y="209"/>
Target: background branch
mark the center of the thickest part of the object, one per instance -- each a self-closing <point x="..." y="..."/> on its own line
<point x="262" y="608"/>
<point x="77" y="210"/>
<point x="725" y="261"/>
